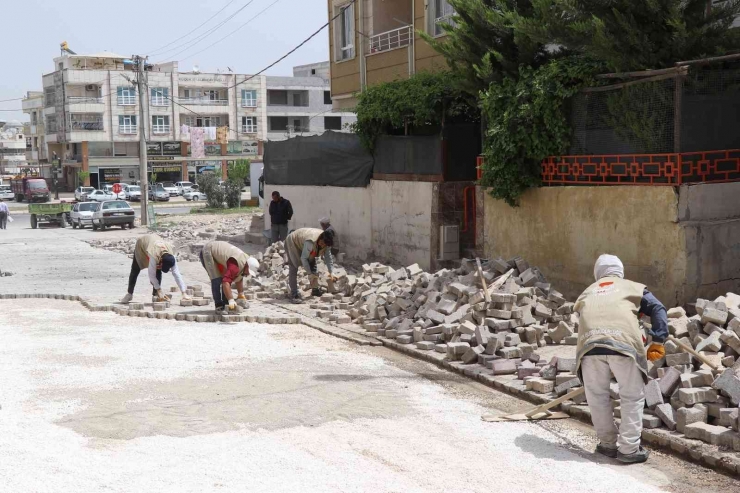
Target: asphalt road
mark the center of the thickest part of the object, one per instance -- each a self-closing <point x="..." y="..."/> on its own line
<point x="23" y="219"/>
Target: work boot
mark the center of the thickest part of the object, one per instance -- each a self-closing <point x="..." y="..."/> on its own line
<point x="607" y="451"/>
<point x="296" y="299"/>
<point x="127" y="298"/>
<point x="640" y="456"/>
<point x="316" y="292"/>
<point x="222" y="310"/>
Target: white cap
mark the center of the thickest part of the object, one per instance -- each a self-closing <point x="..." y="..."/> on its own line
<point x="324" y="220"/>
<point x="254" y="265"/>
<point x="608" y="265"/>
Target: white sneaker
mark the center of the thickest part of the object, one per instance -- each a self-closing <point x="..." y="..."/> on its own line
<point x="127" y="298"/>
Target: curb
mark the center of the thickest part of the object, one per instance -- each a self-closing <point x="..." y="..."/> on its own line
<point x="189" y="317"/>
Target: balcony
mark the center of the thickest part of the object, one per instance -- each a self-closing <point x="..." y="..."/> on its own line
<point x="84" y="100"/>
<point x="390" y="40"/>
<point x="128" y="129"/>
<point x="249" y="129"/>
<point x="160" y="129"/>
<point x="204" y="102"/>
<point x="160" y="101"/>
<point x="126" y="100"/>
<point x="87" y="126"/>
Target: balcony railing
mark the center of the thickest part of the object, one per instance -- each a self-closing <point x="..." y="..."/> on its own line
<point x="390" y="40"/>
<point x="249" y="129"/>
<point x="87" y="125"/>
<point x="128" y="129"/>
<point x="445" y="18"/>
<point x="160" y="102"/>
<point x="249" y="103"/>
<point x="84" y="100"/>
<point x="160" y="129"/>
<point x="204" y="101"/>
<point x="126" y="100"/>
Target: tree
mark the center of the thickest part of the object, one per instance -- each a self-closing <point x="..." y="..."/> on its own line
<point x="208" y="183"/>
<point x="239" y="170"/>
<point x="82" y="177"/>
<point x="628" y="35"/>
<point x="482" y="47"/>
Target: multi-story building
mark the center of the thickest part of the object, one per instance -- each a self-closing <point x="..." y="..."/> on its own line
<point x="373" y="41"/>
<point x="33" y="106"/>
<point x="92" y="119"/>
<point x="302" y="105"/>
<point x="12" y="149"/>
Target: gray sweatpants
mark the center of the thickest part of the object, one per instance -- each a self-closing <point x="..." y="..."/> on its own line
<point x="3" y="220"/>
<point x="597" y="373"/>
<point x="278" y="232"/>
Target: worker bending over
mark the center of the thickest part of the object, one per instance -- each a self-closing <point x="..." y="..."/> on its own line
<point x="226" y="264"/>
<point x="610" y="342"/>
<point x="156" y="255"/>
<point x="304" y="246"/>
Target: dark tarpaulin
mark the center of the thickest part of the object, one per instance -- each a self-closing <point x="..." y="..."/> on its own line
<point x="417" y="155"/>
<point x="332" y="159"/>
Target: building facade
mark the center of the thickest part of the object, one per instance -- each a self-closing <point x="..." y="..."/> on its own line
<point x="88" y="116"/>
<point x="374" y="41"/>
<point x="12" y="149"/>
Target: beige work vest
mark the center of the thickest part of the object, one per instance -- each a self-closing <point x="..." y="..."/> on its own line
<point x="608" y="318"/>
<point x="221" y="252"/>
<point x="153" y="246"/>
<point x="295" y="240"/>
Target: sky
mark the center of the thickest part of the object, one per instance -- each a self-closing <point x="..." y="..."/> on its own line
<point x="33" y="29"/>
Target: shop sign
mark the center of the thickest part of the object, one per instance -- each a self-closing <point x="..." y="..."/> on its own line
<point x="172" y="148"/>
<point x="109" y="175"/>
<point x="213" y="149"/>
<point x="154" y="148"/>
<point x="250" y="147"/>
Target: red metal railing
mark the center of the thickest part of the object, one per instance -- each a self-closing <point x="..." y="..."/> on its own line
<point x="643" y="169"/>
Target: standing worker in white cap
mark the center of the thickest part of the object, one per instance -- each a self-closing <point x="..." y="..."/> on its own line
<point x="610" y="342"/>
<point x="226" y="264"/>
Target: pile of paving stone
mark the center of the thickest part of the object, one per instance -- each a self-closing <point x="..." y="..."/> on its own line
<point x="5" y="273"/>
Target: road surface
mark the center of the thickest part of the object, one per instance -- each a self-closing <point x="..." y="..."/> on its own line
<point x="96" y="402"/>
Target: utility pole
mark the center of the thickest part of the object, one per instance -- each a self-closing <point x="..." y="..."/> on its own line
<point x="143" y="171"/>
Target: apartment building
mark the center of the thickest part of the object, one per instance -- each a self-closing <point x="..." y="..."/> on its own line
<point x="301" y="105"/>
<point x="373" y="41"/>
<point x="33" y="106"/>
<point x="12" y="149"/>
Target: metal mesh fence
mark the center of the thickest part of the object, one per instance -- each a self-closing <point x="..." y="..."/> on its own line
<point x="645" y="117"/>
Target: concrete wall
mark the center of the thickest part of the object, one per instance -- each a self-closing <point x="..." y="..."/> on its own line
<point x="682" y="243"/>
<point x="389" y="220"/>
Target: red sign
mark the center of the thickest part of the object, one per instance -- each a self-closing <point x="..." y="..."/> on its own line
<point x="117" y="188"/>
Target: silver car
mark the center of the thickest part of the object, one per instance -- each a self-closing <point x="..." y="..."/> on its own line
<point x="82" y="214"/>
<point x="6" y="193"/>
<point x="158" y="192"/>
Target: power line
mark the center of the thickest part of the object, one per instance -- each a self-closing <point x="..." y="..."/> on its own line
<point x="14" y="99"/>
<point x="154" y="52"/>
<point x="201" y="37"/>
<point x="296" y="48"/>
<point x="232" y="32"/>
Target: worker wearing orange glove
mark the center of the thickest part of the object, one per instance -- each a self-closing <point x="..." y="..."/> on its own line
<point x="610" y="342"/>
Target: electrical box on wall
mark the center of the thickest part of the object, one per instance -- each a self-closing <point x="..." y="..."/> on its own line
<point x="449" y="242"/>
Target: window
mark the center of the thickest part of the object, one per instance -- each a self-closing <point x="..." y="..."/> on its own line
<point x="34" y="118"/>
<point x="277" y="98"/>
<point x="327" y="97"/>
<point x="50" y="96"/>
<point x="333" y="122"/>
<point x="127" y="124"/>
<point x="86" y="121"/>
<point x="206" y="121"/>
<point x="313" y="71"/>
<point x="160" y="124"/>
<point x="160" y="96"/>
<point x="345" y="32"/>
<point x="440" y="12"/>
<point x="211" y="95"/>
<point x="278" y="123"/>
<point x="249" y="98"/>
<point x="51" y="124"/>
<point x="126" y="96"/>
<point x="249" y="124"/>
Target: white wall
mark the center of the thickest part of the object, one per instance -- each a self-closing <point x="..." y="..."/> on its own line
<point x="391" y="220"/>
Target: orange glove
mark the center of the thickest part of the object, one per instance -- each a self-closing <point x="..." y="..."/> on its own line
<point x="655" y="351"/>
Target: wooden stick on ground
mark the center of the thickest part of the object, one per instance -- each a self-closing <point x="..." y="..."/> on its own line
<point x="482" y="280"/>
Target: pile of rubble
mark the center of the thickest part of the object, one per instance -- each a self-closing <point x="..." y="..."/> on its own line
<point x="5" y="273"/>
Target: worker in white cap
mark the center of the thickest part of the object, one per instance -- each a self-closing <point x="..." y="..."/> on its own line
<point x="326" y="226"/>
<point x="227" y="264"/>
<point x="610" y="342"/>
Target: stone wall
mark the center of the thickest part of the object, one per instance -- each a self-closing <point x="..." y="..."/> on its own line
<point x="682" y="243"/>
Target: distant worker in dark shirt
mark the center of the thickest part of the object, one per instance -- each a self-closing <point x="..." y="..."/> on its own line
<point x="281" y="211"/>
<point x="227" y="264"/>
<point x="610" y="342"/>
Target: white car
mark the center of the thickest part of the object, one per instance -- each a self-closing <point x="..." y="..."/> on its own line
<point x="99" y="196"/>
<point x="183" y="187"/>
<point x="113" y="213"/>
<point x="121" y="195"/>
<point x="194" y="195"/>
<point x="82" y="214"/>
<point x="81" y="193"/>
<point x="132" y="192"/>
<point x="6" y="193"/>
<point x="171" y="188"/>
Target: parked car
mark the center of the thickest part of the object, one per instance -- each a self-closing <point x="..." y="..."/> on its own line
<point x="121" y="195"/>
<point x="82" y="214"/>
<point x="183" y="186"/>
<point x="158" y="192"/>
<point x="6" y="193"/>
<point x="81" y="193"/>
<point x="132" y="192"/>
<point x="194" y="195"/>
<point x="30" y="190"/>
<point x="113" y="213"/>
<point x="171" y="188"/>
<point x="99" y="196"/>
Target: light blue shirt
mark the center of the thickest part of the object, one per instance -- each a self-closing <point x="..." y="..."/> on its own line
<point x="4" y="208"/>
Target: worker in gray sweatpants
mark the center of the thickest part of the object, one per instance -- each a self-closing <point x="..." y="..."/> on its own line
<point x="303" y="247"/>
